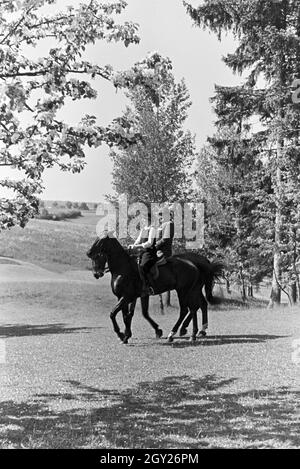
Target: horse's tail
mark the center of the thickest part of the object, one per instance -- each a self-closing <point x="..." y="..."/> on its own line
<point x="216" y="270"/>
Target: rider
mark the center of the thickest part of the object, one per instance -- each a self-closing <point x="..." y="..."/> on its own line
<point x="164" y="239"/>
<point x="148" y="258"/>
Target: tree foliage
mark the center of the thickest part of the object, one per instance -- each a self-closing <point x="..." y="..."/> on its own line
<point x="232" y="181"/>
<point x="34" y="90"/>
<point x="156" y="169"/>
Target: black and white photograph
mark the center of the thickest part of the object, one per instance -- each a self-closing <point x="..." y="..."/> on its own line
<point x="149" y="227"/>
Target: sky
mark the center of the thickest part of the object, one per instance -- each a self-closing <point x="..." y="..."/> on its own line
<point x="196" y="55"/>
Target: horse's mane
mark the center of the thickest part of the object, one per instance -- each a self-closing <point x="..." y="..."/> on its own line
<point x="118" y="245"/>
<point x="93" y="251"/>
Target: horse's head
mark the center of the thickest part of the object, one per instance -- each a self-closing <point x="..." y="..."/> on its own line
<point x="98" y="254"/>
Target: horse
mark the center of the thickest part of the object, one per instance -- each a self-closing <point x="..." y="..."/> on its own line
<point x="105" y="270"/>
<point x="177" y="274"/>
<point x="212" y="271"/>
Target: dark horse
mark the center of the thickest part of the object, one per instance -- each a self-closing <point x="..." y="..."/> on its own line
<point x="211" y="271"/>
<point x="178" y="273"/>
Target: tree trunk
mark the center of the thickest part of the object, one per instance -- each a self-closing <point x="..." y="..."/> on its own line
<point x="293" y="292"/>
<point x="275" y="297"/>
<point x="243" y="287"/>
<point x="295" y="269"/>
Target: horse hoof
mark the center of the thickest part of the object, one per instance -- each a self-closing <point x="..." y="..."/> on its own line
<point x="159" y="333"/>
<point x="193" y="339"/>
<point x="182" y="332"/>
<point x="170" y="339"/>
<point x="202" y="334"/>
<point x="121" y="336"/>
<point x="125" y="341"/>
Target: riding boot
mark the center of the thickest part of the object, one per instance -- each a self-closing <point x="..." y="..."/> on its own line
<point x="149" y="286"/>
<point x="146" y="288"/>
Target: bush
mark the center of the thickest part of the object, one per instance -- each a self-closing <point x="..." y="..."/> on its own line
<point x="84" y="206"/>
<point x="58" y="215"/>
<point x="43" y="214"/>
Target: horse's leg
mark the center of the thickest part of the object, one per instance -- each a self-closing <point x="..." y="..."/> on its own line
<point x="145" y="312"/>
<point x="132" y="308"/>
<point x="182" y="313"/>
<point x="121" y="303"/>
<point x="185" y="324"/>
<point x="203" y="305"/>
<point x="161" y="304"/>
<point x="168" y="298"/>
<point x="127" y="318"/>
<point x="195" y="325"/>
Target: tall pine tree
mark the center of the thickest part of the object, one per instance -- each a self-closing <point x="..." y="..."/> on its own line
<point x="268" y="53"/>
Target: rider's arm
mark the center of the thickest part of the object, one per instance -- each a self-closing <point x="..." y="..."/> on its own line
<point x="151" y="238"/>
<point x="138" y="240"/>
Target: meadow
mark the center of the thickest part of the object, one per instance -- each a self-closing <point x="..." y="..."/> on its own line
<point x="67" y="382"/>
<point x="55" y="245"/>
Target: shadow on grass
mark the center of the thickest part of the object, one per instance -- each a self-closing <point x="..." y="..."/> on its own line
<point x="175" y="412"/>
<point x="23" y="330"/>
<point x="222" y="340"/>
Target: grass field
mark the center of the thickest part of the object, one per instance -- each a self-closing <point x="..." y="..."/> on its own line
<point x="56" y="245"/>
<point x="67" y="382"/>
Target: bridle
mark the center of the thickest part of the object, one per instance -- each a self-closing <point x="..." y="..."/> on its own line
<point x="100" y="272"/>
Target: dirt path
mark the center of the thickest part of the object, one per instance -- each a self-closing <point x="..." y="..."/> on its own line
<point x="67" y="381"/>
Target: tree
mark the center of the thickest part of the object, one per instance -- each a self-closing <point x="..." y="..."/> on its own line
<point x="268" y="52"/>
<point x="229" y="180"/>
<point x="69" y="204"/>
<point x="33" y="91"/>
<point x="156" y="169"/>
